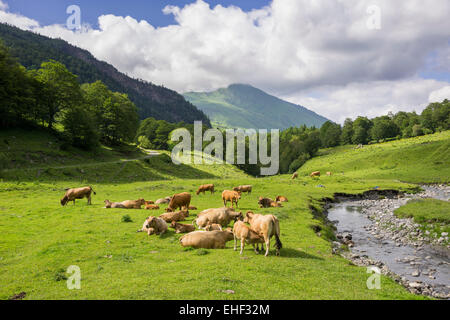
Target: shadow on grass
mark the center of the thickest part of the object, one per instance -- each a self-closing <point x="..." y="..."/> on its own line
<point x="293" y="253"/>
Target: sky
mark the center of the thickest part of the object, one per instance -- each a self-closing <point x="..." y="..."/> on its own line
<point x="338" y="58"/>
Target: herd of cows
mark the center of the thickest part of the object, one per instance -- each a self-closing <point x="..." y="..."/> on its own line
<point x="210" y="228"/>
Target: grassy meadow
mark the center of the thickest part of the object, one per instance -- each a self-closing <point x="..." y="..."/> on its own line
<point x="40" y="239"/>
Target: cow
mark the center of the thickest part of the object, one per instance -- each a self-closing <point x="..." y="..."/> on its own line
<point x="174" y="216"/>
<point x="114" y="205"/>
<point x="206" y="187"/>
<point x="329" y="174"/>
<point x="267" y="226"/>
<point x="154" y="225"/>
<point x="315" y="174"/>
<point x="163" y="200"/>
<point x="179" y="201"/>
<point x="268" y="203"/>
<point x="182" y="228"/>
<point x="221" y="216"/>
<point x="151" y="207"/>
<point x="244" y="233"/>
<point x="147" y="203"/>
<point x="207" y="240"/>
<point x="243" y="189"/>
<point x="133" y="204"/>
<point x="213" y="227"/>
<point x="294" y="176"/>
<point x="282" y="199"/>
<point x="78" y="193"/>
<point x="231" y="196"/>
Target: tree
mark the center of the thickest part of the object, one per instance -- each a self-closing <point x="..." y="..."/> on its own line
<point x="347" y="132"/>
<point x="61" y="89"/>
<point x="384" y="128"/>
<point x="80" y="128"/>
<point x="361" y="128"/>
<point x="330" y="134"/>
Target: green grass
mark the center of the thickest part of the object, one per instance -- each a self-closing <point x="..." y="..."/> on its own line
<point x="417" y="160"/>
<point x="426" y="210"/>
<point x="40" y="239"/>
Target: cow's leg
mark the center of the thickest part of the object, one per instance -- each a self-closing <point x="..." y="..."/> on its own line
<point x="267" y="246"/>
<point x="242" y="245"/>
<point x="235" y="243"/>
<point x="89" y="200"/>
<point x="73" y="202"/>
<point x="256" y="248"/>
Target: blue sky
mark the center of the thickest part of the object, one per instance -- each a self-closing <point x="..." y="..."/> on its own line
<point x="54" y="11"/>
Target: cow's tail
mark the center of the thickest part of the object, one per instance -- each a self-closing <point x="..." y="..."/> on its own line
<point x="276" y="225"/>
<point x="95" y="193"/>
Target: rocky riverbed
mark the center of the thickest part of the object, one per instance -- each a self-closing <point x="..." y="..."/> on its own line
<point x="414" y="257"/>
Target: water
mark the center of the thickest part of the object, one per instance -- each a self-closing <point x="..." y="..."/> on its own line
<point x="403" y="260"/>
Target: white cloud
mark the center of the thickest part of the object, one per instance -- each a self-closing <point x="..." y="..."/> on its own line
<point x="289" y="48"/>
<point x="371" y="99"/>
<point x="3" y="5"/>
<point x="440" y="95"/>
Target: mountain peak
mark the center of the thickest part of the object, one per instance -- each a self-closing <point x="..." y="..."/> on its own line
<point x="244" y="106"/>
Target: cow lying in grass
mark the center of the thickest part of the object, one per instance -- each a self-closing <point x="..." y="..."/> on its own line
<point x="207" y="240"/>
<point x="266" y="226"/>
<point x="244" y="233"/>
<point x="268" y="203"/>
<point x="174" y="216"/>
<point x="114" y="205"/>
<point x="151" y="207"/>
<point x="181" y="200"/>
<point x="282" y="199"/>
<point x="204" y="188"/>
<point x="182" y="228"/>
<point x="220" y="216"/>
<point x="78" y="193"/>
<point x="154" y="225"/>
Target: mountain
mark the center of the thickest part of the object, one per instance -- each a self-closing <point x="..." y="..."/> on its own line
<point x="243" y="106"/>
<point x="154" y="101"/>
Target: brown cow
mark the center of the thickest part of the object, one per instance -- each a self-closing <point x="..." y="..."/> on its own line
<point x="243" y="189"/>
<point x="163" y="200"/>
<point x="267" y="226"/>
<point x="154" y="225"/>
<point x="207" y="240"/>
<point x="244" y="233"/>
<point x="79" y="193"/>
<point x="282" y="199"/>
<point x="329" y="174"/>
<point x="268" y="203"/>
<point x="231" y="196"/>
<point x="182" y="228"/>
<point x="206" y="187"/>
<point x="221" y="216"/>
<point x="315" y="174"/>
<point x="114" y="205"/>
<point x="151" y="207"/>
<point x="294" y="176"/>
<point x="147" y="203"/>
<point x="174" y="216"/>
<point x="213" y="227"/>
<point x="133" y="204"/>
<point x="179" y="201"/>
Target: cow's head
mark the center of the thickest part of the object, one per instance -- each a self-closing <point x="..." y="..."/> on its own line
<point x="64" y="200"/>
<point x="141" y="202"/>
<point x="238" y="216"/>
<point x="150" y="222"/>
<point x="248" y="217"/>
<point x="173" y="224"/>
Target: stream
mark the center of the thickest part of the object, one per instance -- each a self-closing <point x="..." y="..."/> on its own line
<point x="423" y="268"/>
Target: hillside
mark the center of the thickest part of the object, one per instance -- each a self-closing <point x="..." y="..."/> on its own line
<point x="243" y="106"/>
<point x="417" y="160"/>
<point x="152" y="101"/>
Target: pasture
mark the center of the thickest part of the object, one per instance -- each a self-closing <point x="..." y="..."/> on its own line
<point x="40" y="239"/>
